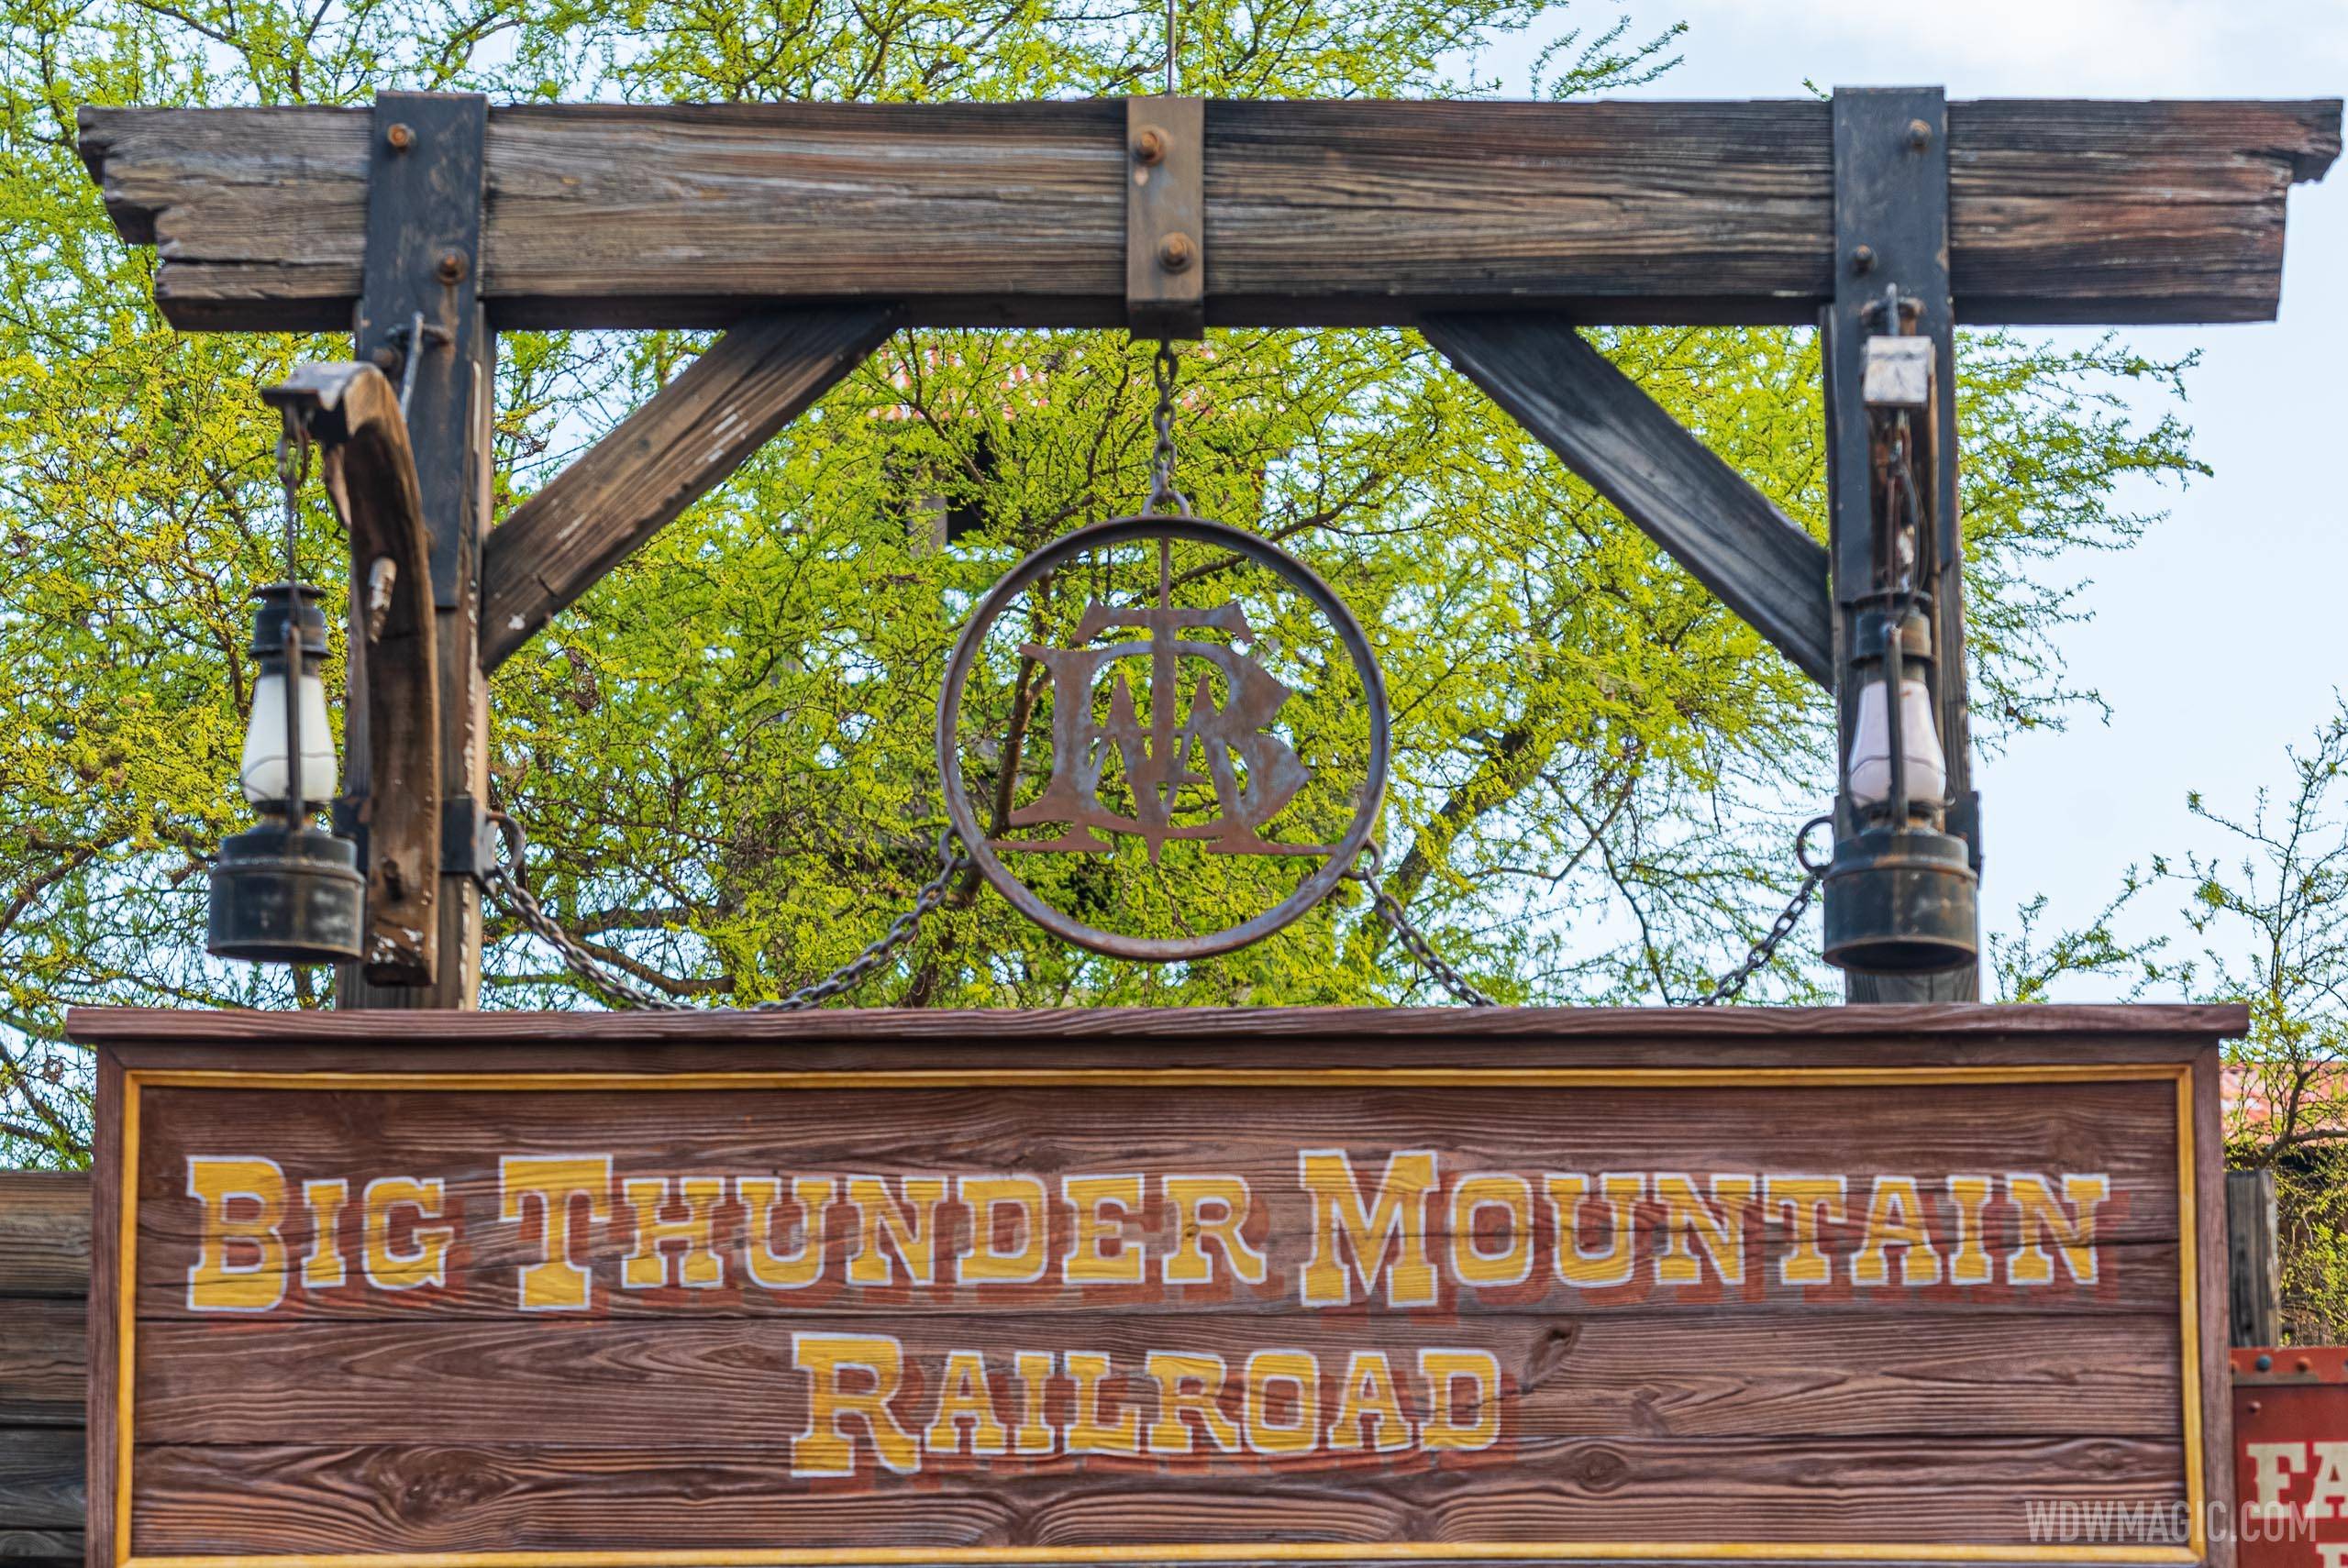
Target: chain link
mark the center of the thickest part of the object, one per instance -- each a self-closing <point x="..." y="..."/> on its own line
<point x="1731" y="986"/>
<point x="504" y="882"/>
<point x="1162" y="494"/>
<point x="1389" y="910"/>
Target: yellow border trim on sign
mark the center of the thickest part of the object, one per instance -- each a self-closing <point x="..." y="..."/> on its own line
<point x="1295" y="1551"/>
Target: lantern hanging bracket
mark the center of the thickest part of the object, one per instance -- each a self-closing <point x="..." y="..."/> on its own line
<point x="393" y="806"/>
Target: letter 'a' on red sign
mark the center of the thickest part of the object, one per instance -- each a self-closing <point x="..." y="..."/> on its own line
<point x="614" y="1292"/>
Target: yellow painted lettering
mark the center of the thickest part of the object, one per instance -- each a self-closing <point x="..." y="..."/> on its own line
<point x="552" y="1183"/>
<point x="1969" y="1264"/>
<point x="699" y="1267"/>
<point x="1689" y="1222"/>
<point x="1205" y="1207"/>
<point x="1896" y="1219"/>
<point x="1801" y="1199"/>
<point x="1445" y="1371"/>
<point x="1091" y="1258"/>
<point x="239" y="1253"/>
<point x="425" y="1260"/>
<point x="322" y="1268"/>
<point x="1474" y="1194"/>
<point x="910" y="1228"/>
<point x="827" y="1447"/>
<point x="1609" y="1265"/>
<point x="1370" y="1394"/>
<point x="1190" y="1385"/>
<point x="763" y="1202"/>
<point x="1035" y="1434"/>
<point x="964" y="1395"/>
<point x="1298" y="1371"/>
<point x="1389" y="1237"/>
<point x="2043" y="1215"/>
<point x="982" y="1262"/>
<point x="1091" y="1429"/>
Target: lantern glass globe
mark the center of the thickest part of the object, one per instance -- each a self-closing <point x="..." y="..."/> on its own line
<point x="264" y="771"/>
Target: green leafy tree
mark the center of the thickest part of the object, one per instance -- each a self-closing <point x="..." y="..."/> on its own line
<point x="723" y="752"/>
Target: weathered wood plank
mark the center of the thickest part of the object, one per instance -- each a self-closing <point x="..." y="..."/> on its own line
<point x="44" y="1361"/>
<point x="27" y="1547"/>
<point x="378" y="1498"/>
<point x="1316" y="214"/>
<point x="44" y="1233"/>
<point x="41" y="1478"/>
<point x="1729" y="536"/>
<point x="729" y="1382"/>
<point x="1886" y="1034"/>
<point x="687" y="438"/>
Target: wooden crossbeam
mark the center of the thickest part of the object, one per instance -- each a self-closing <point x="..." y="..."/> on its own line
<point x="1317" y="214"/>
<point x="660" y="459"/>
<point x="1729" y="535"/>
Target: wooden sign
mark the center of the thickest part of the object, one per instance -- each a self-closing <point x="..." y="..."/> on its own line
<point x="1895" y="1284"/>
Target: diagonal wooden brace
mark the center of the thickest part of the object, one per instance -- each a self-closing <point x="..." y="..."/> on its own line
<point x="353" y="414"/>
<point x="1729" y="535"/>
<point x="680" y="445"/>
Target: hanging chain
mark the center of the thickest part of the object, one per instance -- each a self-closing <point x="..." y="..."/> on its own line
<point x="1731" y="986"/>
<point x="1390" y="909"/>
<point x="504" y="882"/>
<point x="1164" y="499"/>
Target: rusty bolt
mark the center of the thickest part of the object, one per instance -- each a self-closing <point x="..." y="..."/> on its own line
<point x="1920" y="136"/>
<point x="386" y="359"/>
<point x="1150" y="146"/>
<point x="2254" y="1406"/>
<point x="1176" y="252"/>
<point x="401" y="137"/>
<point x="2303" y="1365"/>
<point x="1863" y="259"/>
<point x="453" y="267"/>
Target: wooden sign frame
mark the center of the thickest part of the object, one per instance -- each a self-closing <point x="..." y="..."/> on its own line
<point x="145" y="1057"/>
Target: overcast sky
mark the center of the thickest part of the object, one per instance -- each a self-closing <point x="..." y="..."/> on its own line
<point x="2219" y="639"/>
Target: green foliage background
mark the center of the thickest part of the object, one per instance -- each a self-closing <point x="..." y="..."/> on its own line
<point x="723" y="754"/>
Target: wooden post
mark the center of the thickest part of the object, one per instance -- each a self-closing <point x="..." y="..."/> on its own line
<point x="419" y="317"/>
<point x="1891" y="231"/>
<point x="2254" y="1262"/>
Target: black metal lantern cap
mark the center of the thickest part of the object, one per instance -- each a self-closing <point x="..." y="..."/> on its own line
<point x="1901" y="901"/>
<point x="275" y="604"/>
<point x="286" y="896"/>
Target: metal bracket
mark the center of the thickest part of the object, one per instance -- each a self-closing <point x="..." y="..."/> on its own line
<point x="425" y="173"/>
<point x="352" y="412"/>
<point x="1166" y="258"/>
<point x="467" y="841"/>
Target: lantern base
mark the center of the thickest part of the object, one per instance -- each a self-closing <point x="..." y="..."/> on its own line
<point x="287" y="896"/>
<point x="1901" y="901"/>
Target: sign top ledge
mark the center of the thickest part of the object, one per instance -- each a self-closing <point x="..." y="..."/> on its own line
<point x="1111" y="1026"/>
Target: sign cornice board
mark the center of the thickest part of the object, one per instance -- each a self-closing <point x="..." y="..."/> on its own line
<point x="1913" y="1283"/>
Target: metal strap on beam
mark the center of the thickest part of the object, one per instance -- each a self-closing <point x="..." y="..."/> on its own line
<point x="1891" y="243"/>
<point x="1727" y="535"/>
<point x="1166" y="204"/>
<point x="419" y="319"/>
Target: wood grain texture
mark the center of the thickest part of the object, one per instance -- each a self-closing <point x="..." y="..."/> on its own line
<point x="41" y="1478"/>
<point x="729" y="1382"/>
<point x="1728" y="535"/>
<point x="2123" y="1129"/>
<point x="29" y="1548"/>
<point x="44" y="1361"/>
<point x="354" y="1419"/>
<point x="692" y="434"/>
<point x="44" y="1233"/>
<point x="109" y="1402"/>
<point x="1316" y="213"/>
<point x="454" y="1497"/>
<point x="2216" y="1407"/>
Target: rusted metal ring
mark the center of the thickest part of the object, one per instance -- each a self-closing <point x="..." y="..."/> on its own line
<point x="1125" y="530"/>
<point x="1801" y="843"/>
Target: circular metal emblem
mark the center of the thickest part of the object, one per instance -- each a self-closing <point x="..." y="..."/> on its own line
<point x="1253" y="772"/>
